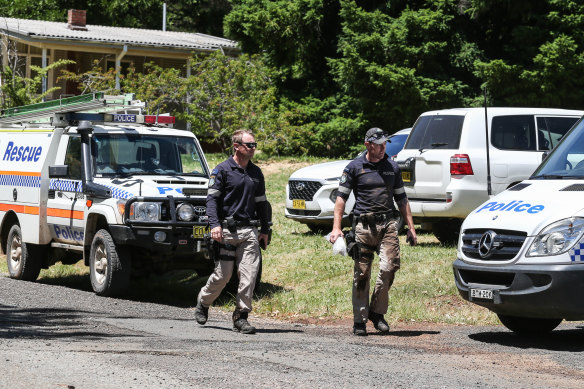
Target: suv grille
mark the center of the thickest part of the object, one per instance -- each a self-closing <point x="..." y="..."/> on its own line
<point x="492" y="245"/>
<point x="303" y="190"/>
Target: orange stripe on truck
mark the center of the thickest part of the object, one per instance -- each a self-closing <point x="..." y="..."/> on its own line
<point x="27" y="174"/>
<point x="67" y="213"/>
<point x="31" y="210"/>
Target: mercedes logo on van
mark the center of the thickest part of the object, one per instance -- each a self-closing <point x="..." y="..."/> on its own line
<point x="486" y="243"/>
<point x="300" y="186"/>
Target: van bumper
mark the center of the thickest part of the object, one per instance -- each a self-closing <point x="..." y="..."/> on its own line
<point x="535" y="291"/>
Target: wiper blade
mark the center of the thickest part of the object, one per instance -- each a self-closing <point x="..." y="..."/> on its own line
<point x="549" y="177"/>
<point x="432" y="145"/>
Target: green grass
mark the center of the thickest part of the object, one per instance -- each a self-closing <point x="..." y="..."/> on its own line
<point x="303" y="280"/>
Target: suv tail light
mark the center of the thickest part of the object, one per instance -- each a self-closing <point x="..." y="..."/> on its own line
<point x="460" y="165"/>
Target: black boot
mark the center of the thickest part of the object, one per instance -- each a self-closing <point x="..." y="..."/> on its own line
<point x="240" y="323"/>
<point x="360" y="329"/>
<point x="379" y="322"/>
<point x="201" y="313"/>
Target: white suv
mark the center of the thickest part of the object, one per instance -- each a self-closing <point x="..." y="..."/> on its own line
<point x="447" y="168"/>
<point x="311" y="191"/>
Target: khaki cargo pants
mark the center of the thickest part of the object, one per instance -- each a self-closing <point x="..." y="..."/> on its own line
<point x="246" y="257"/>
<point x="381" y="237"/>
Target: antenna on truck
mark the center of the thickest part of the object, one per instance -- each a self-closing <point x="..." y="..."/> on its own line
<point x="489" y="189"/>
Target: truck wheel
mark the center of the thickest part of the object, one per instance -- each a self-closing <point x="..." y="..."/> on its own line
<point x="529" y="326"/>
<point x="23" y="259"/>
<point x="447" y="231"/>
<point x="109" y="267"/>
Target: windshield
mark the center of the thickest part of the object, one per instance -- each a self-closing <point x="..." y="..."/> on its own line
<point x="567" y="159"/>
<point x="129" y="154"/>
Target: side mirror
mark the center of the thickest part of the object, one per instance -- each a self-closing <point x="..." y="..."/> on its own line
<point x="93" y="189"/>
<point x="58" y="171"/>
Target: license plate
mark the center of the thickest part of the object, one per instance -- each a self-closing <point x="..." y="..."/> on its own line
<point x="200" y="231"/>
<point x="486" y="294"/>
<point x="406" y="176"/>
<point x="298" y="204"/>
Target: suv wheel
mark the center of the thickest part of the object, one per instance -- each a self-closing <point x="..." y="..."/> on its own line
<point x="447" y="231"/>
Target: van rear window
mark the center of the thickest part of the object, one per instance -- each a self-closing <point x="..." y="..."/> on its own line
<point x="436" y="132"/>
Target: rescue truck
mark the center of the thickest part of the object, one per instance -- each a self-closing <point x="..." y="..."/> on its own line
<point x="521" y="253"/>
<point x="91" y="177"/>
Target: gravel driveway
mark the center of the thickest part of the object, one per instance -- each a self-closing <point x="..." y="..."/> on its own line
<point x="57" y="337"/>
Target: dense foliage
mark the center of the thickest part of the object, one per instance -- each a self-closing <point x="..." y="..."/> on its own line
<point x="337" y="67"/>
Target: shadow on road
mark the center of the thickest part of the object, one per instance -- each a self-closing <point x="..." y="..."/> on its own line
<point x="177" y="288"/>
<point x="557" y="340"/>
<point x="48" y="323"/>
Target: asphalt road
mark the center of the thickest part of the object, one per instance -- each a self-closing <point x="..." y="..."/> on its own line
<point x="58" y="337"/>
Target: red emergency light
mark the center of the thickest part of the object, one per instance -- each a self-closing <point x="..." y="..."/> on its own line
<point x="161" y="119"/>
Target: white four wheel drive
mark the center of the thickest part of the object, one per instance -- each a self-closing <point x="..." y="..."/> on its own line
<point x="311" y="192"/>
<point x="448" y="169"/>
<point x="124" y="191"/>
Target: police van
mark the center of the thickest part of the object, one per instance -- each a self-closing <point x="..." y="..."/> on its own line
<point x="92" y="178"/>
<point x="521" y="253"/>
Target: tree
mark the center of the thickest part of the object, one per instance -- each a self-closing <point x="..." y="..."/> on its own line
<point x="226" y="94"/>
<point x="17" y="89"/>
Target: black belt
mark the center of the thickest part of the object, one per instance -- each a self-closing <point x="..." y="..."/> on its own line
<point x="377" y="217"/>
<point x="242" y="223"/>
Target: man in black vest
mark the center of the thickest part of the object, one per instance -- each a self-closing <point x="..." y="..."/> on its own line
<point x="376" y="181"/>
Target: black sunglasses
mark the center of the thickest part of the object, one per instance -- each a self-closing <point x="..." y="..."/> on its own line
<point x="249" y="145"/>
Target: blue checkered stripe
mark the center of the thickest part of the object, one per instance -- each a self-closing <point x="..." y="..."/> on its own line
<point x="118" y="193"/>
<point x="577" y="252"/>
<point x="16" y="180"/>
<point x="66" y="185"/>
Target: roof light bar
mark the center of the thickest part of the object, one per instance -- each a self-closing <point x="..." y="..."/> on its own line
<point x="122" y="118"/>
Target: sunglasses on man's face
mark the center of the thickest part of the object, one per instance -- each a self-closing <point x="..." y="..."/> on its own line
<point x="249" y="145"/>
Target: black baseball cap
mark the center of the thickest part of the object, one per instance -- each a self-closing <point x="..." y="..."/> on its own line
<point x="376" y="135"/>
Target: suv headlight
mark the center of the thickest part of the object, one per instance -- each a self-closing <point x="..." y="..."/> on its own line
<point x="185" y="212"/>
<point x="557" y="238"/>
<point x="145" y="211"/>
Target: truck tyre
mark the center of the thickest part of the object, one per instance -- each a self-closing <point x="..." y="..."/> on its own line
<point x="109" y="267"/>
<point x="529" y="326"/>
<point x="447" y="231"/>
<point x="23" y="259"/>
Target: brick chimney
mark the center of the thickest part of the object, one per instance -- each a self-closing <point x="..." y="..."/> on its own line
<point x="76" y="19"/>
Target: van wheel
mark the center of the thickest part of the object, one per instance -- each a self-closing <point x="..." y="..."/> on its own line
<point x="23" y="259"/>
<point x="109" y="267"/>
<point x="447" y="231"/>
<point x="529" y="326"/>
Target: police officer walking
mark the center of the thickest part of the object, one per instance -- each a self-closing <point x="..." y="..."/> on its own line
<point x="376" y="181"/>
<point x="236" y="198"/>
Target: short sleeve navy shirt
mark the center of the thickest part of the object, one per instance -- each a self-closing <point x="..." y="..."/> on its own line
<point x="375" y="185"/>
<point x="234" y="191"/>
